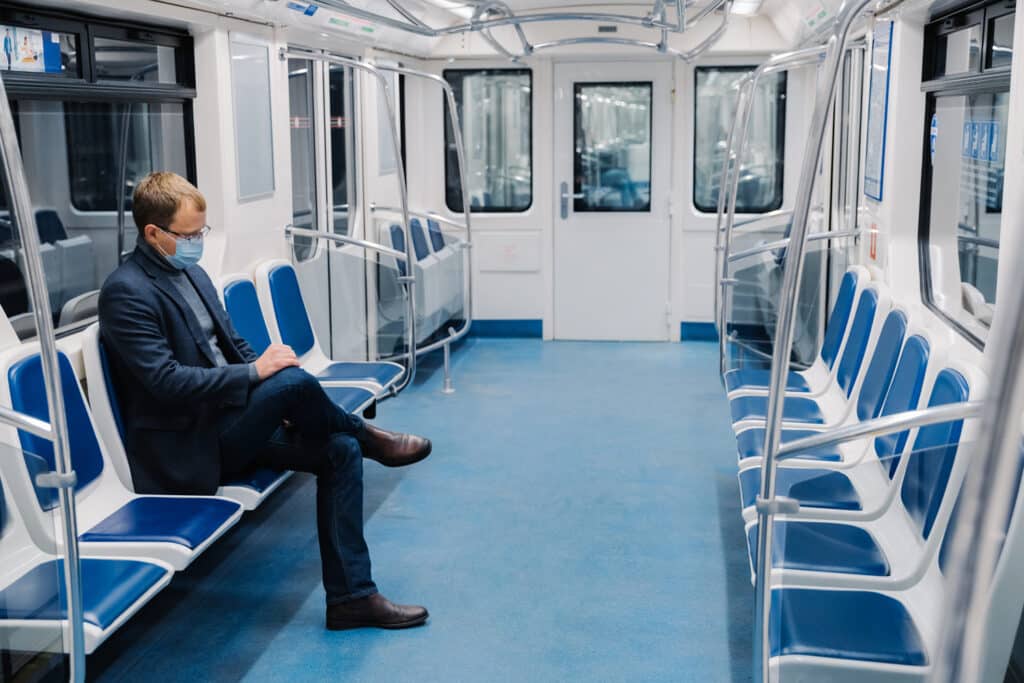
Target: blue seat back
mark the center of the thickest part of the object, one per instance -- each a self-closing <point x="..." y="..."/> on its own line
<point x="28" y="396"/>
<point x="419" y="239"/>
<point x="398" y="243"/>
<point x="838" y="320"/>
<point x="243" y="306"/>
<point x="857" y="341"/>
<point x="436" y="235"/>
<point x="883" y="362"/>
<point x="904" y="393"/>
<point x="934" y="451"/>
<point x="108" y="382"/>
<point x="290" y="309"/>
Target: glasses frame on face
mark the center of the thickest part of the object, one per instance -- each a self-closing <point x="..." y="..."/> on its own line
<point x="194" y="238"/>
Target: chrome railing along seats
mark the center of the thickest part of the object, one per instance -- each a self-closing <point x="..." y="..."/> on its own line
<point x="782" y="243"/>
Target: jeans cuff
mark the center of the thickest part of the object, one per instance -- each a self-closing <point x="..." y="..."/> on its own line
<point x="366" y="592"/>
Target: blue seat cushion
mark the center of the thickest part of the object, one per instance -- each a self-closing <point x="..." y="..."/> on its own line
<point x="854" y="625"/>
<point x="381" y="373"/>
<point x="813" y="488"/>
<point x="109" y="589"/>
<point x="750" y="444"/>
<point x="794" y="409"/>
<point x="758" y="378"/>
<point x="257" y="480"/>
<point x="183" y="520"/>
<point x="349" y="398"/>
<point x="823" y="547"/>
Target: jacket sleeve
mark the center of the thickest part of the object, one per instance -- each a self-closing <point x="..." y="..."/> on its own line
<point x="131" y="328"/>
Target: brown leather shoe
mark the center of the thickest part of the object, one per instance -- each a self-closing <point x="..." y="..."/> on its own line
<point x="392" y="449"/>
<point x="374" y="611"/>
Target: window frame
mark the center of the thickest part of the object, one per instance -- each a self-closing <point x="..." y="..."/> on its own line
<point x="985" y="80"/>
<point x="447" y="143"/>
<point x="780" y="183"/>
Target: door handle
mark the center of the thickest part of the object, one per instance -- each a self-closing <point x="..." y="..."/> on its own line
<point x="566" y="196"/>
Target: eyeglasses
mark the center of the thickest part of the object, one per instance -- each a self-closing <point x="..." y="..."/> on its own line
<point x="194" y="238"/>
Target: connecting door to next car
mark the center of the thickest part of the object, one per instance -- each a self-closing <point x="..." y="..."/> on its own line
<point x="613" y="143"/>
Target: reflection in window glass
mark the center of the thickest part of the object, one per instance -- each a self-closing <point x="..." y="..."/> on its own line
<point x="125" y="60"/>
<point x="75" y="205"/>
<point x="761" y="170"/>
<point x="960" y="51"/>
<point x="966" y="205"/>
<point x="301" y="124"/>
<point x="612" y="148"/>
<point x="1001" y="41"/>
<point x="495" y="112"/>
<point x="341" y="108"/>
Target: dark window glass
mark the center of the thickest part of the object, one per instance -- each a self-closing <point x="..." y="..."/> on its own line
<point x="302" y="126"/>
<point x="612" y="146"/>
<point x="1001" y="41"/>
<point x="33" y="51"/>
<point x="129" y="60"/>
<point x="341" y="130"/>
<point x="763" y="165"/>
<point x="495" y="108"/>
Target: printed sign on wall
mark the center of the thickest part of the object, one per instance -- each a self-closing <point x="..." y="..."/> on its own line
<point x="27" y="49"/>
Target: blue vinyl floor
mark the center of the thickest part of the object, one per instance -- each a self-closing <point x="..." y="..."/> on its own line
<point x="577" y="521"/>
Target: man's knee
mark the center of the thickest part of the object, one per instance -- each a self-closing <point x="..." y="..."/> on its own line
<point x="345" y="454"/>
<point x="291" y="381"/>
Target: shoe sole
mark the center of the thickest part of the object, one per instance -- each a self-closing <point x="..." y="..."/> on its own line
<point x="347" y="626"/>
<point x="415" y="460"/>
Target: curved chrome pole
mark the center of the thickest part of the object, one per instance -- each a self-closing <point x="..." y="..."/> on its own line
<point x="467" y="213"/>
<point x="987" y="497"/>
<point x="848" y="12"/>
<point x="63" y="477"/>
<point x="403" y="189"/>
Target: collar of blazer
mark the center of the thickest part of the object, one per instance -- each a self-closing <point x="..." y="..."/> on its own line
<point x="162" y="280"/>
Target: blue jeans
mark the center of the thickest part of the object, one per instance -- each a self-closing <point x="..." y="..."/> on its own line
<point x="322" y="439"/>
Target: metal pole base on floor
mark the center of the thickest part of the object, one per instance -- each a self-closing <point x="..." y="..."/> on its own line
<point x="448" y="388"/>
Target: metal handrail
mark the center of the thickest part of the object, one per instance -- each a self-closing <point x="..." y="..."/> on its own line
<point x="403" y="189"/>
<point x="467" y="211"/>
<point x="980" y="241"/>
<point x="296" y="231"/>
<point x="783" y="242"/>
<point x="792" y="276"/>
<point x="27" y="423"/>
<point x="880" y="426"/>
<point x="778" y="213"/>
<point x="430" y="215"/>
<point x="23" y="221"/>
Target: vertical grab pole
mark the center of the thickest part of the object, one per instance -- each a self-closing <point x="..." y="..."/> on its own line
<point x="25" y="225"/>
<point x="848" y="12"/>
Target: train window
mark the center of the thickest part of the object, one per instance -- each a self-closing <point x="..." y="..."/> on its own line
<point x="34" y="51"/>
<point x="302" y="122"/>
<point x="1001" y="42"/>
<point x="962" y="206"/>
<point x="761" y="175"/>
<point x="495" y="108"/>
<point x="86" y="140"/>
<point x="128" y="60"/>
<point x="612" y="160"/>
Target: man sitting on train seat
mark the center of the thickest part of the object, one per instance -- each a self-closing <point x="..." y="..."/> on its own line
<point x="200" y="408"/>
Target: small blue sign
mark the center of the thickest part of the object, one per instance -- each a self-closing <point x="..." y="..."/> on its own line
<point x="993" y="142"/>
<point x="984" y="134"/>
<point x="311" y="10"/>
<point x="965" y="148"/>
<point x="297" y="6"/>
<point x="934" y="134"/>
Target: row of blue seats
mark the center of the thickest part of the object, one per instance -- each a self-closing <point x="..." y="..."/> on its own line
<point x="132" y="544"/>
<point x="439" y="273"/>
<point x="857" y="573"/>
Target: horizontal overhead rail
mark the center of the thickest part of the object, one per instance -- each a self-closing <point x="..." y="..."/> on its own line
<point x="493" y="14"/>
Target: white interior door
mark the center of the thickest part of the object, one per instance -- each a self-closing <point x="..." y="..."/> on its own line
<point x="612" y="138"/>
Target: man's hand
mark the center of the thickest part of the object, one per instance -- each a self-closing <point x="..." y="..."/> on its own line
<point x="277" y="357"/>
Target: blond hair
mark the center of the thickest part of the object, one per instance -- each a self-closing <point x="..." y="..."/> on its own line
<point x="158" y="197"/>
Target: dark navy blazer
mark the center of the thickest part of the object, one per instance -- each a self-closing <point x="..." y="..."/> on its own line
<point x="169" y="389"/>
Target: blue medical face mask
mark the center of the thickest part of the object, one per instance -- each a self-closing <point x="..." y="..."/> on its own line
<point x="187" y="253"/>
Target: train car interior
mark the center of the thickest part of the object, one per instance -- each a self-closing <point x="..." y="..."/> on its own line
<point x="699" y="303"/>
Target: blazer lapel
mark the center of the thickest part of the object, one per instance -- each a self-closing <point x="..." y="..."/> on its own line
<point x="164" y="284"/>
